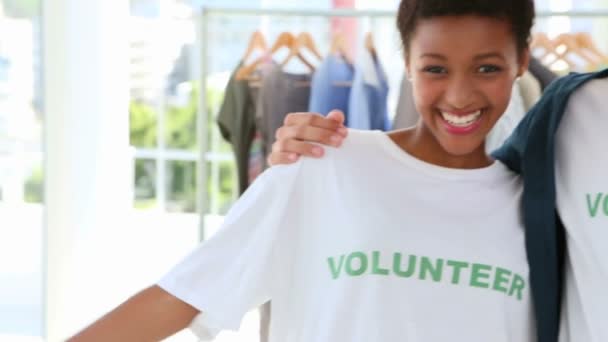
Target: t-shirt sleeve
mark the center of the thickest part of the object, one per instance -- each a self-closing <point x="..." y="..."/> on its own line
<point x="240" y="267"/>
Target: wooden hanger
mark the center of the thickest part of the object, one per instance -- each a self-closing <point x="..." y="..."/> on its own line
<point x="246" y="71"/>
<point x="296" y="52"/>
<point x="369" y="44"/>
<point x="285" y="39"/>
<point x="338" y="47"/>
<point x="541" y="40"/>
<point x="571" y="45"/>
<point x="551" y="55"/>
<point x="256" y="42"/>
<point x="305" y="40"/>
<point x="586" y="43"/>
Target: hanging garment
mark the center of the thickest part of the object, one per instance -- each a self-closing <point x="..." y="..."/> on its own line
<point x="281" y="93"/>
<point x="407" y="114"/>
<point x="236" y="122"/>
<point x="331" y="84"/>
<point x="530" y="90"/>
<point x="256" y="156"/>
<point x="541" y="72"/>
<point x="257" y="162"/>
<point x="368" y="97"/>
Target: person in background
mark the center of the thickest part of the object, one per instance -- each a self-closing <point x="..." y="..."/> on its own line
<point x="414" y="235"/>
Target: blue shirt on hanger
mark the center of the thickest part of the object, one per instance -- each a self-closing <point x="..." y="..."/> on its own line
<point x="331" y="84"/>
<point x="368" y="97"/>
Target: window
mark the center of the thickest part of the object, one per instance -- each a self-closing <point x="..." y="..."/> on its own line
<point x="21" y="175"/>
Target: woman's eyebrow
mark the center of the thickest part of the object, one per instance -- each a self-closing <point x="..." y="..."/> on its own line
<point x="490" y="55"/>
<point x="433" y="55"/>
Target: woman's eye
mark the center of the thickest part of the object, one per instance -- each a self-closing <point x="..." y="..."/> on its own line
<point x="486" y="69"/>
<point x="435" y="70"/>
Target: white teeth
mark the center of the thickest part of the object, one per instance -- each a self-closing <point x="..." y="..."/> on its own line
<point x="461" y="120"/>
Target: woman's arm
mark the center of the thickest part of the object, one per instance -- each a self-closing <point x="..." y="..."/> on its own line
<point x="300" y="130"/>
<point x="151" y="315"/>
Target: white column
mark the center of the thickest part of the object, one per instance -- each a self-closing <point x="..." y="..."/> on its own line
<point x="87" y="185"/>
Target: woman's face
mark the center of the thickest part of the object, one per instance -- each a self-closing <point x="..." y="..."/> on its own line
<point x="462" y="69"/>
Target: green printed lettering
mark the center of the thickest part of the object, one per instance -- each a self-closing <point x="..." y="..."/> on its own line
<point x="518" y="286"/>
<point x="362" y="265"/>
<point x="335" y="269"/>
<point x="376" y="269"/>
<point x="426" y="266"/>
<point x="457" y="266"/>
<point x="501" y="279"/>
<point x="411" y="266"/>
<point x="593" y="207"/>
<point x="606" y="205"/>
<point x="480" y="272"/>
<point x="431" y="269"/>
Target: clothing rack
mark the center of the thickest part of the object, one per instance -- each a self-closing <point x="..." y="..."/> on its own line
<point x="202" y="20"/>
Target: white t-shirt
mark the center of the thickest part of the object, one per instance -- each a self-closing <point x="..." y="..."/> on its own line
<point x="369" y="244"/>
<point x="582" y="202"/>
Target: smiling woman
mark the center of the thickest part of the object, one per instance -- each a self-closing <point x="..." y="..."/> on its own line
<point x="285" y="240"/>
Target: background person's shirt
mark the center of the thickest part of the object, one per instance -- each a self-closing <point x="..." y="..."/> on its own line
<point x="530" y="151"/>
<point x="416" y="252"/>
<point x="581" y="170"/>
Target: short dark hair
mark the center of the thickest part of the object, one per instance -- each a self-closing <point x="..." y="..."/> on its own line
<point x="519" y="13"/>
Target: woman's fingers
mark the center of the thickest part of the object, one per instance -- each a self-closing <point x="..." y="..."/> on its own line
<point x="334" y="120"/>
<point x="300" y="148"/>
<point x="301" y="133"/>
<point x="309" y="133"/>
<point x="278" y="158"/>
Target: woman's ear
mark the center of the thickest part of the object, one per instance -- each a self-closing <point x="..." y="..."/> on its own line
<point x="524" y="62"/>
<point x="408" y="71"/>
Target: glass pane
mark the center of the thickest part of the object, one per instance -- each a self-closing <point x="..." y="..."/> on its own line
<point x="34" y="187"/>
<point x="21" y="171"/>
<point x="145" y="183"/>
<point x="180" y="120"/>
<point x="143" y="123"/>
<point x="221" y="186"/>
<point x="181" y="183"/>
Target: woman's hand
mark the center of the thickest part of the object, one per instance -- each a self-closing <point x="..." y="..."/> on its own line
<point x="300" y="130"/>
